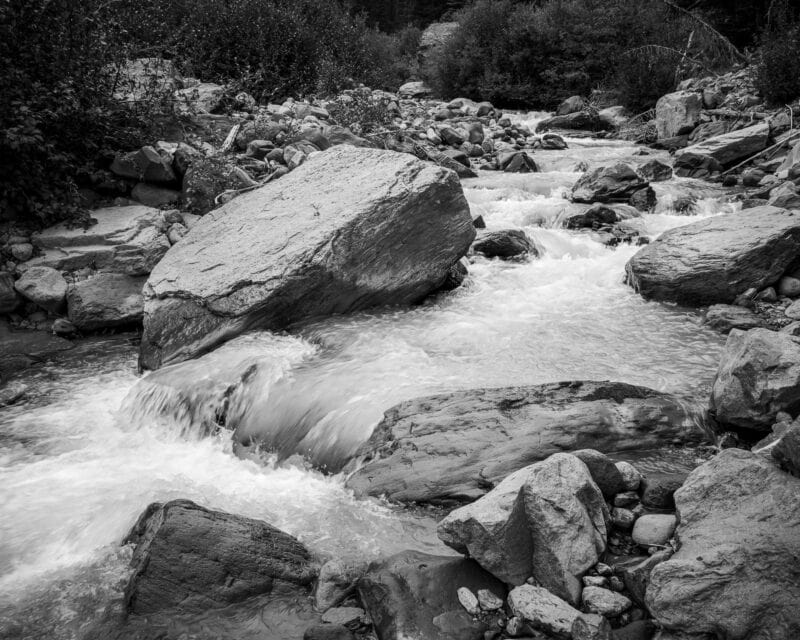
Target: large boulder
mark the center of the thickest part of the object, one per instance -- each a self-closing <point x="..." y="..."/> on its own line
<point x="678" y="113"/>
<point x="736" y="574"/>
<point x="616" y="183"/>
<point x="414" y="596"/>
<point x="547" y="520"/>
<point x="758" y="376"/>
<point x="455" y="447"/>
<point x="105" y="300"/>
<point x="415" y="90"/>
<point x="504" y="244"/>
<point x="714" y="260"/>
<point x="731" y="147"/>
<point x="305" y="246"/>
<point x="190" y="558"/>
<point x="128" y="240"/>
<point x="573" y="104"/>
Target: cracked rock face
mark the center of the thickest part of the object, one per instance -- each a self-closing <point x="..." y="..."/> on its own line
<point x="350" y="229"/>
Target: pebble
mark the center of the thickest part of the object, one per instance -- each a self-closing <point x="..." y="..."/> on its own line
<point x="626" y="499"/>
<point x="515" y="626"/>
<point x="468" y="601"/>
<point x="595" y="581"/>
<point x="488" y="601"/>
<point x="605" y="602"/>
<point x="622" y="518"/>
<point x="654" y="529"/>
<point x="604" y="569"/>
<point x="22" y="251"/>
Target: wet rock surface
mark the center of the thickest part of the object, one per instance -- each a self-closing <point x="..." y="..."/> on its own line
<point x="458" y="446"/>
<point x="330" y="251"/>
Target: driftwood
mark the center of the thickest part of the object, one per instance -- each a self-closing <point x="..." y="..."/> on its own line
<point x="229" y="140"/>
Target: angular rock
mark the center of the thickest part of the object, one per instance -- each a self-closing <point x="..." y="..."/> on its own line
<point x="193" y="559"/>
<point x="654" y="529"/>
<point x="617" y="183"/>
<point x="488" y="601"/>
<point x="542" y="610"/>
<point x="605" y="602"/>
<point x="736" y="573"/>
<point x="636" y="574"/>
<point x="413" y="596"/>
<point x="455" y="447"/>
<point x="508" y="243"/>
<point x="694" y="165"/>
<point x="678" y="113"/>
<point x="516" y="162"/>
<point x="443" y="160"/>
<point x="345" y="616"/>
<point x="656" y="171"/>
<point x="43" y="286"/>
<point x="572" y="104"/>
<point x="758" y="376"/>
<point x="724" y="317"/>
<point x="590" y="626"/>
<point x="732" y="147"/>
<point x="105" y="300"/>
<point x="304" y="246"/>
<point x="787" y="450"/>
<point x="128" y="240"/>
<point x="593" y="218"/>
<point x="547" y="520"/>
<point x="714" y="260"/>
<point x="658" y="489"/>
<point x="337" y="579"/>
<point x="415" y="89"/>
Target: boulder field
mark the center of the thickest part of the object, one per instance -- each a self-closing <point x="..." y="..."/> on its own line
<point x="305" y="247"/>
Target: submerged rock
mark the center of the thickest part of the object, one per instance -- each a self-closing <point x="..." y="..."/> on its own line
<point x="547" y="520"/>
<point x="191" y="559"/>
<point x="457" y="446"/>
<point x="758" y="376"/>
<point x="617" y="183"/>
<point x="414" y="596"/>
<point x="736" y="574"/>
<point x="303" y="246"/>
<point x="725" y="317"/>
<point x="504" y="244"/>
<point x="714" y="260"/>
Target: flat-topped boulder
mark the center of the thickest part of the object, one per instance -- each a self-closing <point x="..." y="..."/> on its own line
<point x="128" y="240"/>
<point x="732" y="147"/>
<point x="736" y="573"/>
<point x="350" y="229"/>
<point x="455" y="447"/>
<point x="714" y="260"/>
<point x="105" y="300"/>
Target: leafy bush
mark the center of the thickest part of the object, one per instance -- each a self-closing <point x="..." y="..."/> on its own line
<point x="778" y="75"/>
<point x="526" y="54"/>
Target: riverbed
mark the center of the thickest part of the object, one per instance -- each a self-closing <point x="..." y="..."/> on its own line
<point x="80" y="458"/>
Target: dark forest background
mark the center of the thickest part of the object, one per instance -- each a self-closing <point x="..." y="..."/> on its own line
<point x="58" y="113"/>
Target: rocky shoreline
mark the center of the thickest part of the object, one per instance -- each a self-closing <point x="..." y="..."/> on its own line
<point x="554" y="537"/>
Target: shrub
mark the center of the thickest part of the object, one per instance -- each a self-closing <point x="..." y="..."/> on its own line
<point x="778" y="74"/>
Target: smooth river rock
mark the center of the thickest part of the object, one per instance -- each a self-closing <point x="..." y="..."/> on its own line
<point x="714" y="260"/>
<point x="548" y="520"/>
<point x="414" y="596"/>
<point x="455" y="447"/>
<point x="736" y="574"/>
<point x="191" y="558"/>
<point x="351" y="228"/>
<point x="758" y="376"/>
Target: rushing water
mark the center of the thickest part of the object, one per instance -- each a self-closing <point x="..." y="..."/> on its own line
<point x="90" y="448"/>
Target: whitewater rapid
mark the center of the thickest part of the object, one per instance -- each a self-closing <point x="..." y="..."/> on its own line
<point x="81" y="458"/>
